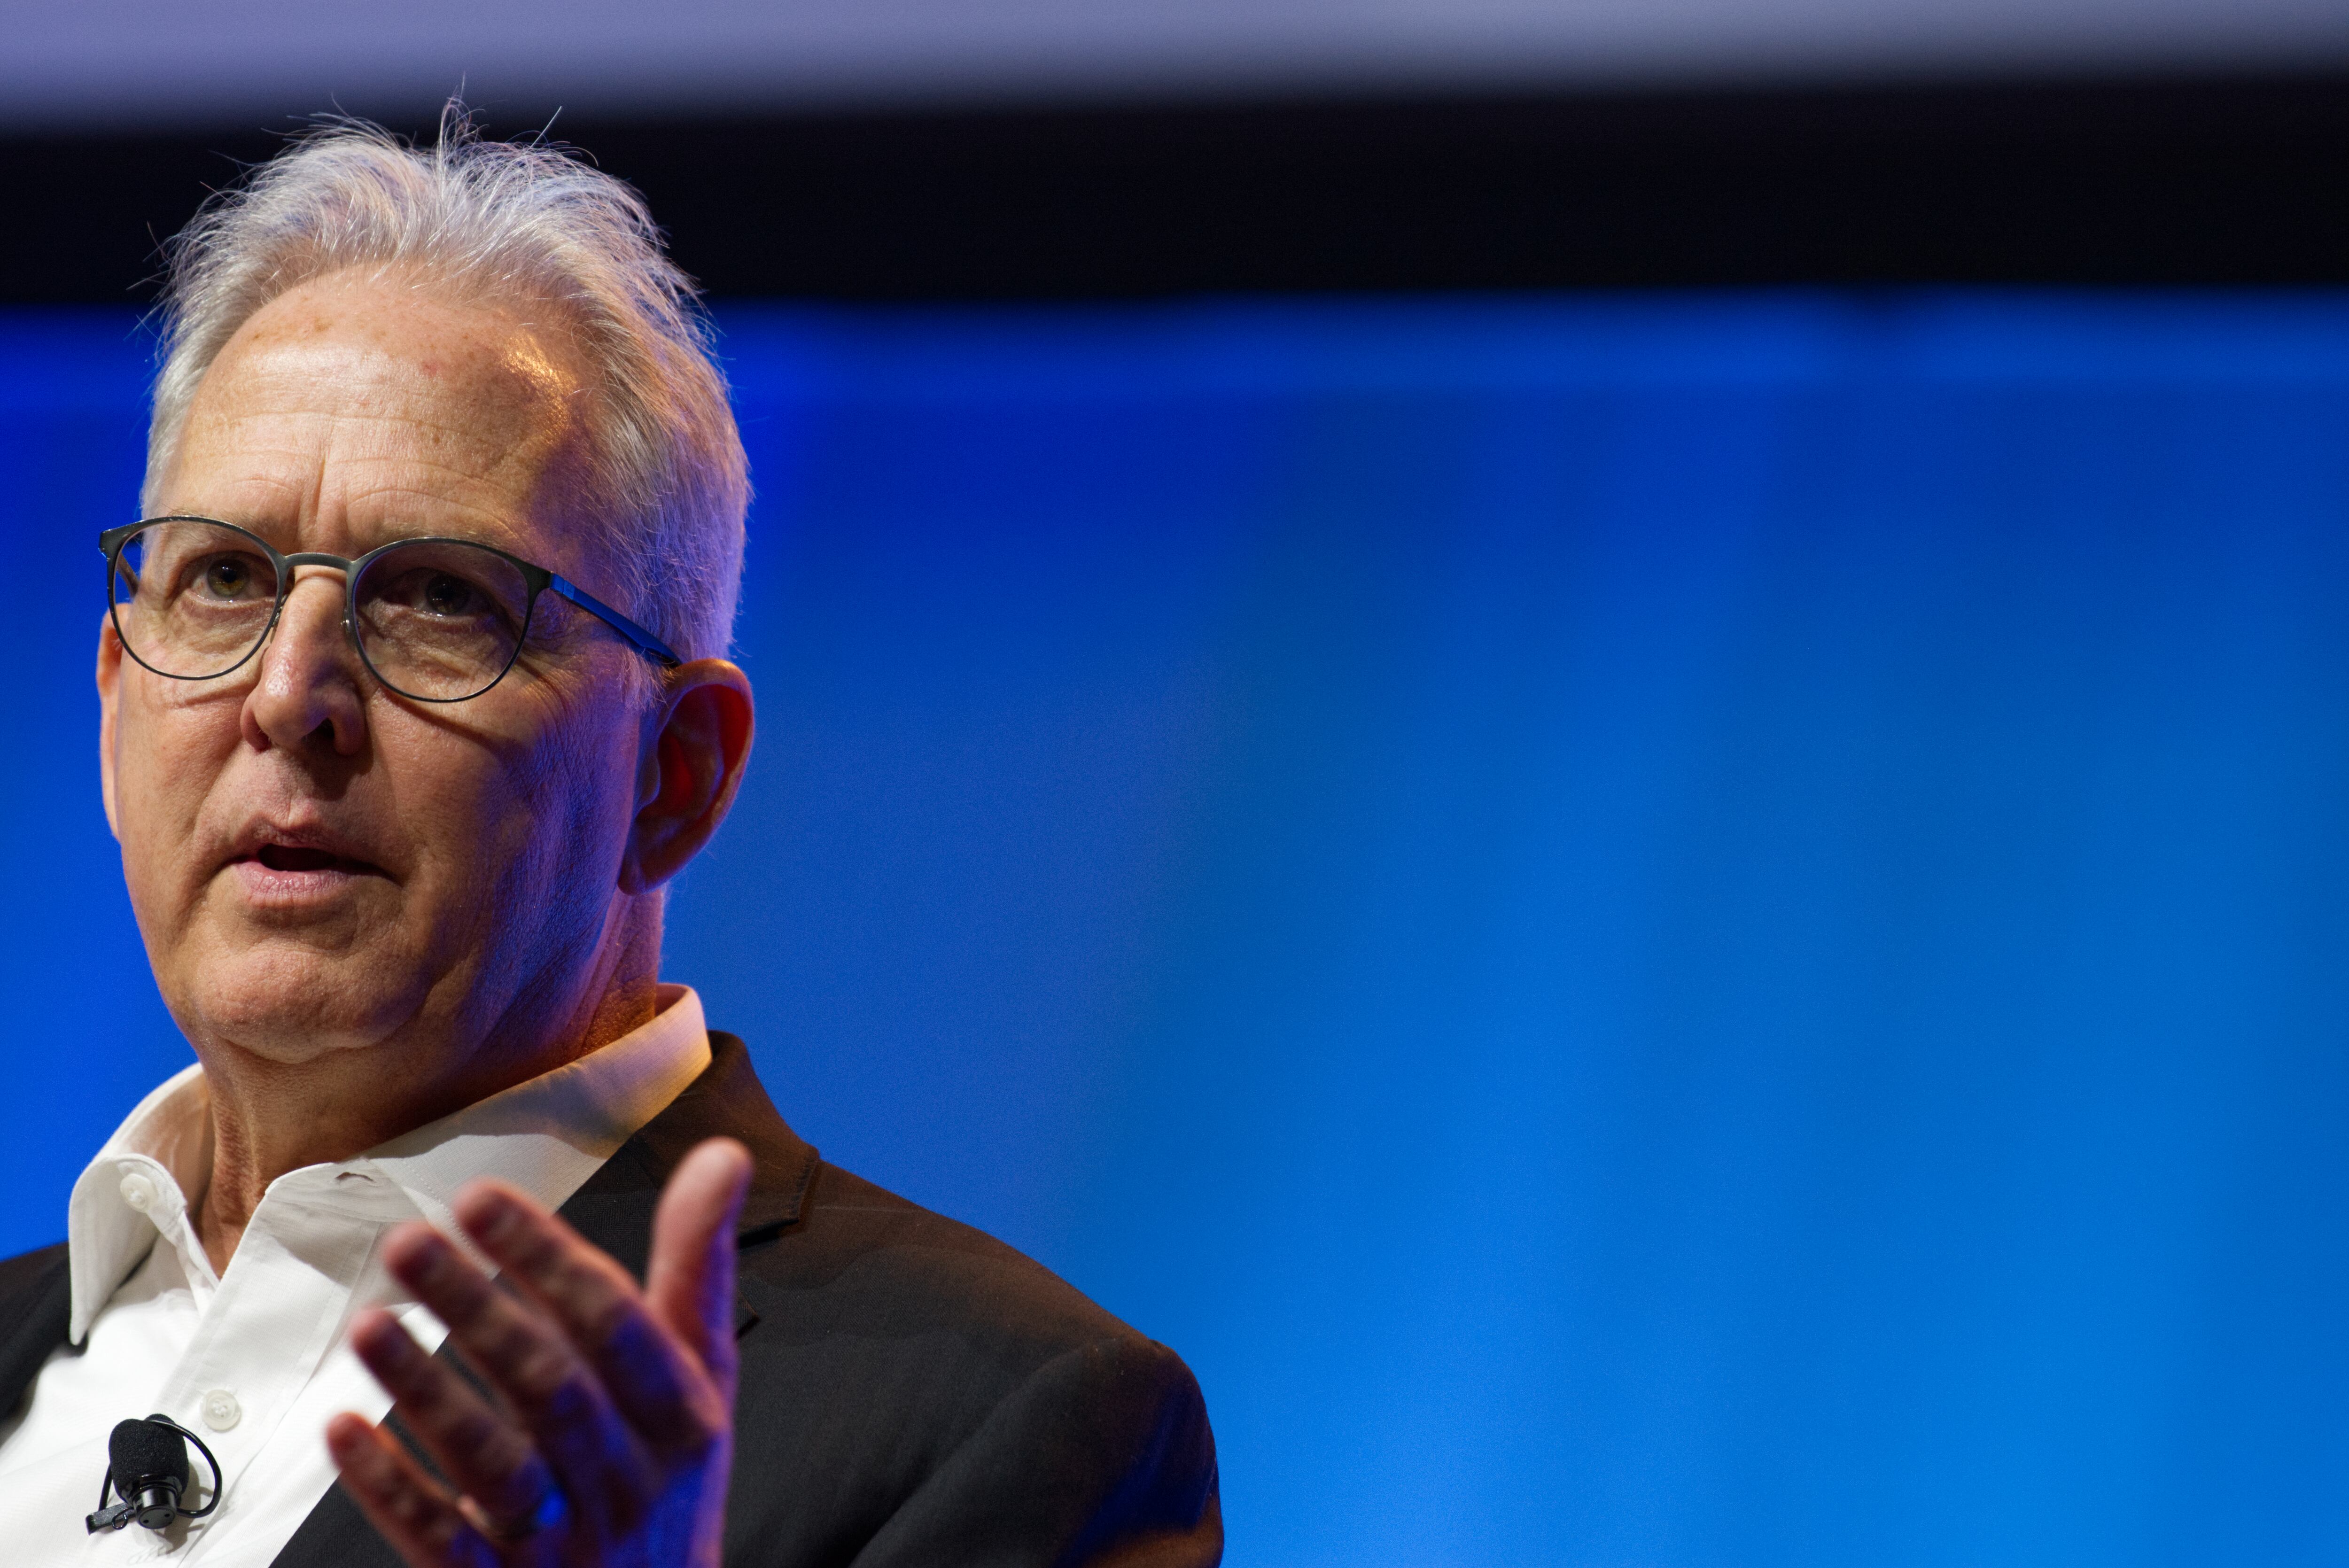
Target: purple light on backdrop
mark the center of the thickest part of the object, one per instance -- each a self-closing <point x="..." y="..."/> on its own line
<point x="110" y="63"/>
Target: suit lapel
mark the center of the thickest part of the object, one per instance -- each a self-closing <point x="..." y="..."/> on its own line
<point x="614" y="1212"/>
<point x="614" y="1209"/>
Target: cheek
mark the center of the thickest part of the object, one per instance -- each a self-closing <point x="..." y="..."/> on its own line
<point x="530" y="834"/>
<point x="584" y="791"/>
<point x="171" y="749"/>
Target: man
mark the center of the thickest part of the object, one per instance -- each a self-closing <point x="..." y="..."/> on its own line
<point x="412" y="702"/>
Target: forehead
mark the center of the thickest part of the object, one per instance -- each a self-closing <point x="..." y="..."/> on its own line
<point x="357" y="404"/>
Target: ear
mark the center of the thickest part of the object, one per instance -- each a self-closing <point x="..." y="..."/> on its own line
<point x="109" y="691"/>
<point x="697" y="743"/>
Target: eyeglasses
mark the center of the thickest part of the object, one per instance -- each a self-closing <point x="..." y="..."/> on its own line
<point x="436" y="620"/>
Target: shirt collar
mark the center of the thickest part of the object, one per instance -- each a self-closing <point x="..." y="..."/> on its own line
<point x="546" y="1136"/>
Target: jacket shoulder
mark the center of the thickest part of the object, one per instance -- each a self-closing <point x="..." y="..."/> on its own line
<point x="35" y="1296"/>
<point x="912" y="1392"/>
<point x="24" y="1273"/>
<point x="951" y="1398"/>
<point x="903" y="1269"/>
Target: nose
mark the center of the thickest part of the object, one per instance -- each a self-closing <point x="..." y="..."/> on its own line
<point x="308" y="696"/>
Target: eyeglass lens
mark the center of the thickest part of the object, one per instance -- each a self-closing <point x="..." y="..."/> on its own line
<point x="436" y="619"/>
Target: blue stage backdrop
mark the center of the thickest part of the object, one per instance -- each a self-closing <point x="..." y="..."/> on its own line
<point x="1656" y="929"/>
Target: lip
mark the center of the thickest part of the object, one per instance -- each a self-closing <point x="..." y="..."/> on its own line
<point x="278" y="864"/>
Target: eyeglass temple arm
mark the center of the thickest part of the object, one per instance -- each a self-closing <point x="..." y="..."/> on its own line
<point x="643" y="641"/>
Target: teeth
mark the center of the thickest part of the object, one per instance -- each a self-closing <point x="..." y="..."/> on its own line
<point x="285" y="858"/>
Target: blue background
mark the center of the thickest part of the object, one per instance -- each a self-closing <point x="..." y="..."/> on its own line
<point x="1674" y="929"/>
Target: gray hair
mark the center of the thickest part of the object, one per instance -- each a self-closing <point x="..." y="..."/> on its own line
<point x="507" y="220"/>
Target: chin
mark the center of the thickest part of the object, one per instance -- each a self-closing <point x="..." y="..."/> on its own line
<point x="292" y="1007"/>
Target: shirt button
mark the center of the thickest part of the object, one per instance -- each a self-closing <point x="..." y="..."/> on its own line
<point x="220" y="1411"/>
<point x="138" y="1191"/>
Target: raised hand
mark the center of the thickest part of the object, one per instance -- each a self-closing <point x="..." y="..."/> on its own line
<point x="611" y="1435"/>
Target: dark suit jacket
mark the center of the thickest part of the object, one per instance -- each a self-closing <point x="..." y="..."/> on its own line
<point x="913" y="1392"/>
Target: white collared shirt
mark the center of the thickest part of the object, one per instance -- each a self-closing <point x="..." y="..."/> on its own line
<point x="256" y="1360"/>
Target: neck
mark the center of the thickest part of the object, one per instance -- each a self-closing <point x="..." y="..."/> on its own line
<point x="271" y="1117"/>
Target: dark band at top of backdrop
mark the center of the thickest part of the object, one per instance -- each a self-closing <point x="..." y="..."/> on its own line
<point x="2152" y="183"/>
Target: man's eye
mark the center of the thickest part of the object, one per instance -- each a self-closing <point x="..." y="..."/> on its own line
<point x="227" y="578"/>
<point x="449" y="595"/>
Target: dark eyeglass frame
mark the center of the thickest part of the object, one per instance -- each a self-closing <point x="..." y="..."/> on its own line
<point x="536" y="578"/>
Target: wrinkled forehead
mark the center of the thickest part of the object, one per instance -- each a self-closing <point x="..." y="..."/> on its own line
<point x="361" y="405"/>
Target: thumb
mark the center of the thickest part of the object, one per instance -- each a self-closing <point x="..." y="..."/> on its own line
<point x="689" y="1284"/>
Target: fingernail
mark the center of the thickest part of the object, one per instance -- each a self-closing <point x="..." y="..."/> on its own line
<point x="420" y="1255"/>
<point x="346" y="1436"/>
<point x="490" y="1216"/>
<point x="381" y="1338"/>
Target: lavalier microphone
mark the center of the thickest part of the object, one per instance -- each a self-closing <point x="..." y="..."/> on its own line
<point x="147" y="1468"/>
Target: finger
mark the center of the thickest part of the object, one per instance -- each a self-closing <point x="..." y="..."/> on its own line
<point x="689" y="1283"/>
<point x="554" y="1393"/>
<point x="650" y="1373"/>
<point x="482" y="1453"/>
<point x="401" y="1501"/>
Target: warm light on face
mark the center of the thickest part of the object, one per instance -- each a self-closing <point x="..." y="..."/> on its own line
<point x="317" y="861"/>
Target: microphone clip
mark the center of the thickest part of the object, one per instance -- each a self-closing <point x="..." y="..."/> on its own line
<point x="147" y="1468"/>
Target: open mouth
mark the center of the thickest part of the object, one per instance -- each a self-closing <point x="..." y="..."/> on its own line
<point x="288" y="858"/>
